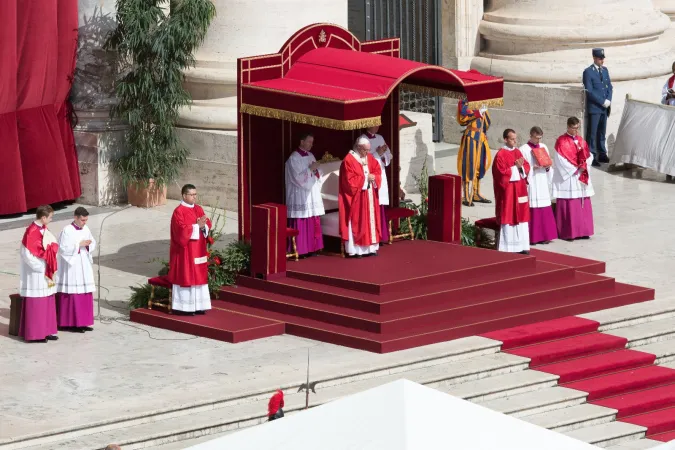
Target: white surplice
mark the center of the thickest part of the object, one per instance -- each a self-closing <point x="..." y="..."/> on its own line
<point x="565" y="182"/>
<point x="32" y="280"/>
<point x="303" y="187"/>
<point x="192" y="298"/>
<point x="384" y="160"/>
<point x="539" y="179"/>
<point x="351" y="248"/>
<point x="514" y="238"/>
<point x="75" y="263"/>
<point x="664" y="95"/>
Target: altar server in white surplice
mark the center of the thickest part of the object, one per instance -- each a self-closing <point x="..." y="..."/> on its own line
<point x="542" y="221"/>
<point x="380" y="150"/>
<point x="76" y="286"/>
<point x="304" y="204"/>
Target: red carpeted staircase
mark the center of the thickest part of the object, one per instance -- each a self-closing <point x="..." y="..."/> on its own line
<point x="421" y="292"/>
<point x="600" y="365"/>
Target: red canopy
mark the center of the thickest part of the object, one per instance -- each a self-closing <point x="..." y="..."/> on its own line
<point x="345" y="89"/>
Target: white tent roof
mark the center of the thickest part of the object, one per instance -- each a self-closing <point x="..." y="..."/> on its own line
<point x="401" y="415"/>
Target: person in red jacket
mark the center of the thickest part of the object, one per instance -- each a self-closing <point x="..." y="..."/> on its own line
<point x="275" y="406"/>
<point x="512" y="205"/>
<point x="188" y="268"/>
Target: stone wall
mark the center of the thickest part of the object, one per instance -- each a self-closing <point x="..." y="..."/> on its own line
<point x="416" y="146"/>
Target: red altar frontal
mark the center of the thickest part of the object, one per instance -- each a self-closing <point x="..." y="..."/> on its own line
<point x="326" y="81"/>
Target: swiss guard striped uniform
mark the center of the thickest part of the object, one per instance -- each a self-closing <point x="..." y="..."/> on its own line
<point x="474" y="158"/>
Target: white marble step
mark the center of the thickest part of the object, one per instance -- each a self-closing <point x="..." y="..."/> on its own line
<point x="640" y="444"/>
<point x="215" y="419"/>
<point x="608" y="434"/>
<point x="572" y="418"/>
<point x="501" y="385"/>
<point x="664" y="351"/>
<point x="536" y="402"/>
<point x="647" y="333"/>
<point x="623" y="316"/>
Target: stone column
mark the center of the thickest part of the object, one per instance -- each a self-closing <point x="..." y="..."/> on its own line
<point x="461" y="39"/>
<point x="208" y="127"/>
<point x="541" y="48"/>
<point x="97" y="138"/>
<point x="667" y="7"/>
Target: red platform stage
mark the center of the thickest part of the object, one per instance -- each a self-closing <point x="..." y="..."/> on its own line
<point x="414" y="293"/>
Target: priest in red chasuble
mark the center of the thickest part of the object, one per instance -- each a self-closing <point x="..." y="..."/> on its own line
<point x="512" y="206"/>
<point x="37" y="283"/>
<point x="572" y="186"/>
<point x="359" y="209"/>
<point x="188" y="269"/>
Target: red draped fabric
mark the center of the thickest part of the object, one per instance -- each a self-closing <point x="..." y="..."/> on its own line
<point x="38" y="40"/>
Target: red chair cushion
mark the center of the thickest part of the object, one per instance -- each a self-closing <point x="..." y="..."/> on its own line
<point x="291" y="232"/>
<point x="489" y="223"/>
<point x="162" y="281"/>
<point x="398" y="213"/>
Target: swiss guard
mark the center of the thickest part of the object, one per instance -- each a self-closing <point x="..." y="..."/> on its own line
<point x="474" y="159"/>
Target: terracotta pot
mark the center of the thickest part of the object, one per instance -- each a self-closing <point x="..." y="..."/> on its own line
<point x="146" y="196"/>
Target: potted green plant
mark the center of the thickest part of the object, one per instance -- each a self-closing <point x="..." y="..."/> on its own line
<point x="153" y="47"/>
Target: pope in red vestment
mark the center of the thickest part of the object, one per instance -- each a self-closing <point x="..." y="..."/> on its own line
<point x="188" y="262"/>
<point x="359" y="208"/>
<point x="512" y="205"/>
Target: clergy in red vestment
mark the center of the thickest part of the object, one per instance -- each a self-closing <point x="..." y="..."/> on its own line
<point x="188" y="269"/>
<point x="572" y="186"/>
<point x="359" y="209"/>
<point x="37" y="284"/>
<point x="512" y="205"/>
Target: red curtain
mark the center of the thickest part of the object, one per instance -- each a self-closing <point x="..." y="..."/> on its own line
<point x="38" y="40"/>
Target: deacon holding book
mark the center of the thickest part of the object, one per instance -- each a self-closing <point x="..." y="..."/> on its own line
<point x="542" y="221"/>
<point x="359" y="209"/>
<point x="380" y="150"/>
<point x="572" y="185"/>
<point x="304" y="204"/>
<point x="512" y="208"/>
<point x="36" y="279"/>
<point x="76" y="285"/>
<point x="668" y="91"/>
<point x="188" y="269"/>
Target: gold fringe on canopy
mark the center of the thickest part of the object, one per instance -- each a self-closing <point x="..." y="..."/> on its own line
<point x="323" y="122"/>
<point x="452" y="94"/>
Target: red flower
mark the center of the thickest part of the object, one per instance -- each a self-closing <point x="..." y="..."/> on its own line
<point x="209" y="240"/>
<point x="217" y="261"/>
<point x="426" y="200"/>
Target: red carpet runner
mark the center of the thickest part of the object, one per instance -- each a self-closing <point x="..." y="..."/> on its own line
<point x="600" y="365"/>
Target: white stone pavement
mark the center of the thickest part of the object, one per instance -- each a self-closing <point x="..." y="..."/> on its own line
<point x="123" y="369"/>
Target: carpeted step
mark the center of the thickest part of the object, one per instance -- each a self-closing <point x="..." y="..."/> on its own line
<point x="431" y="315"/>
<point x="657" y="422"/>
<point x="580" y="264"/>
<point x="663" y="437"/>
<point x="499" y="280"/>
<point x="642" y="401"/>
<point x="569" y="348"/>
<point x="624" y="382"/>
<point x="596" y="365"/>
<point x="548" y="330"/>
<point x="220" y="324"/>
<point x="621" y="294"/>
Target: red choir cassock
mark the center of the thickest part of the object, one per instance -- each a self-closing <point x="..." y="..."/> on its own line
<point x="187" y="257"/>
<point x="359" y="206"/>
<point x="33" y="241"/>
<point x="575" y="154"/>
<point x="512" y="205"/>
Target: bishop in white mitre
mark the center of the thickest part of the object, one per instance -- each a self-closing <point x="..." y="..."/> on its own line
<point x="542" y="224"/>
<point x="380" y="150"/>
<point x="304" y="204"/>
<point x="76" y="286"/>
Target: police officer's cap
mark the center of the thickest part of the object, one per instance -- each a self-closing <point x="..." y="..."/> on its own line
<point x="598" y="53"/>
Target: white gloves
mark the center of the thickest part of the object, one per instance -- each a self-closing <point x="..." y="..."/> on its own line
<point x="607" y="103"/>
<point x="482" y="110"/>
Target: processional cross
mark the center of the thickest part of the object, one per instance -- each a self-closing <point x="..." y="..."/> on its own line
<point x="308" y="386"/>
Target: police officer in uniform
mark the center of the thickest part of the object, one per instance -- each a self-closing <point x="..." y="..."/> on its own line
<point x="598" y="88"/>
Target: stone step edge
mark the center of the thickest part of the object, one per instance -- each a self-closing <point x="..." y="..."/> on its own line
<point x="488" y="347"/>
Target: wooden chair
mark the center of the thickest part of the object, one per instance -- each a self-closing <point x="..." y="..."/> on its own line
<point x="489" y="223"/>
<point x="392" y="214"/>
<point x="161" y="281"/>
<point x="292" y="233"/>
